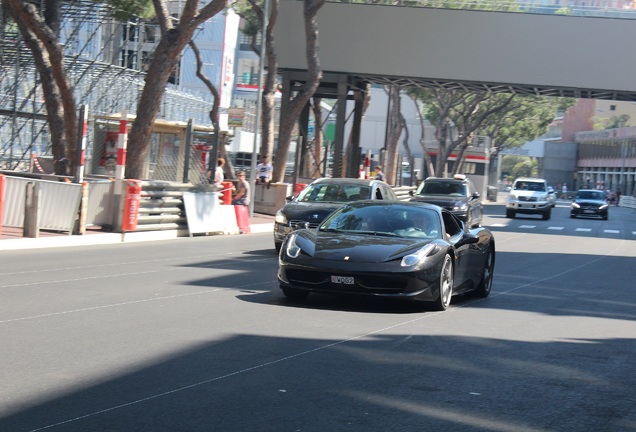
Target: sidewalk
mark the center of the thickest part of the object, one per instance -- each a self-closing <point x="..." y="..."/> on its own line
<point x="12" y="238"/>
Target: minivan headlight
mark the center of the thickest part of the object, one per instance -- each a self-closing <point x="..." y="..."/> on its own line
<point x="280" y="217"/>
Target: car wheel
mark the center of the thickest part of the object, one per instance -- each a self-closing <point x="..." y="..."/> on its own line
<point x="546" y="215"/>
<point x="445" y="285"/>
<point x="510" y="214"/>
<point x="483" y="289"/>
<point x="295" y="294"/>
<point x="278" y="246"/>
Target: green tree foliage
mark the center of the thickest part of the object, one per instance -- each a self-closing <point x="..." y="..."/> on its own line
<point x="600" y="123"/>
<point x="519" y="166"/>
<point x="524" y="119"/>
<point x="125" y="9"/>
<point x="508" y="120"/>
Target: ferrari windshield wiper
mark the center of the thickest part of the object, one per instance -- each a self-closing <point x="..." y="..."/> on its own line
<point x="378" y="233"/>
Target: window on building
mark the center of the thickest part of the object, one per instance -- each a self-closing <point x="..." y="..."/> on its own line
<point x="149" y="34"/>
<point x="128" y="59"/>
<point x="470" y="168"/>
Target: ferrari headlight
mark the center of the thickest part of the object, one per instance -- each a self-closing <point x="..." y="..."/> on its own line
<point x="415" y="258"/>
<point x="280" y="217"/>
<point x="575" y="205"/>
<point x="292" y="250"/>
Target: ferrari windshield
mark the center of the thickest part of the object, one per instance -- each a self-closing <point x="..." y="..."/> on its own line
<point x="393" y="220"/>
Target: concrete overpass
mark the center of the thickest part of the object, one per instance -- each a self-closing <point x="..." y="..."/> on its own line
<point x="551" y="55"/>
<point x="521" y="53"/>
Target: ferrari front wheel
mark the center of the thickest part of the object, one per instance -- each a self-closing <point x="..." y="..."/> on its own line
<point x="483" y="289"/>
<point x="445" y="285"/>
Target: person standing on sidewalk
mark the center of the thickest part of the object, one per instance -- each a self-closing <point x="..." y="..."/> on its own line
<point x="379" y="175"/>
<point x="218" y="172"/>
<point x="242" y="196"/>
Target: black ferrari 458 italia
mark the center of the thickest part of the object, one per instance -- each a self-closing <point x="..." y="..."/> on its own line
<point x="392" y="249"/>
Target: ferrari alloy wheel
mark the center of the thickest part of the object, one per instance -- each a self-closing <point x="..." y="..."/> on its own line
<point x="483" y="289"/>
<point x="445" y="285"/>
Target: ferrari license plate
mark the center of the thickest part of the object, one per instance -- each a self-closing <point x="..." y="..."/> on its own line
<point x="347" y="280"/>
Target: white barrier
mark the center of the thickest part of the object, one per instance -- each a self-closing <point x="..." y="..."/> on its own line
<point x="627" y="201"/>
<point x="58" y="204"/>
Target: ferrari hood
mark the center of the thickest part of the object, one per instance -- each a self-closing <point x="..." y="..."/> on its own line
<point x="357" y="247"/>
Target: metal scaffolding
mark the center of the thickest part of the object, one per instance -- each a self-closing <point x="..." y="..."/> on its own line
<point x="96" y="48"/>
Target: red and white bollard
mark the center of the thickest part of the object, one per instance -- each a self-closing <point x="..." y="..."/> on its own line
<point x="122" y="143"/>
<point x="131" y="205"/>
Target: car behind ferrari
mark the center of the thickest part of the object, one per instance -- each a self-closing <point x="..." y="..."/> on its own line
<point x="389" y="249"/>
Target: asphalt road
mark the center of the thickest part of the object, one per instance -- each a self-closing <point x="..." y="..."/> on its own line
<point x="193" y="334"/>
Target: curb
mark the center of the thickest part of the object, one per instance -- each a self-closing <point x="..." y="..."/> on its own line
<point x="107" y="238"/>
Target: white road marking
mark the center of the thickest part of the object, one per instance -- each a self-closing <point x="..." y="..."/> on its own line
<point x="528" y="226"/>
<point x="584" y="229"/>
<point x="612" y="231"/>
<point x="555" y="228"/>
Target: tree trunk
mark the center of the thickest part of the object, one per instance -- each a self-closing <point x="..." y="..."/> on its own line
<point x="269" y="87"/>
<point x="298" y="102"/>
<point x="395" y="130"/>
<point x="318" y="141"/>
<point x="427" y="157"/>
<point x="42" y="39"/>
<point x="164" y="59"/>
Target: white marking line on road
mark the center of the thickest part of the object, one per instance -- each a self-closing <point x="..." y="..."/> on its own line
<point x="555" y="228"/>
<point x="320" y="348"/>
<point x="634" y="232"/>
<point x="573" y="269"/>
<point x="242" y="371"/>
<point x="584" y="229"/>
<point x="126" y="303"/>
<point x="527" y="226"/>
<point x="115" y="264"/>
<point x="77" y="279"/>
<point x="611" y="231"/>
<point x="498" y="225"/>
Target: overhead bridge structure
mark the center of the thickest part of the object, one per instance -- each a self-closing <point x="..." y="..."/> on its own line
<point x="521" y="53"/>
